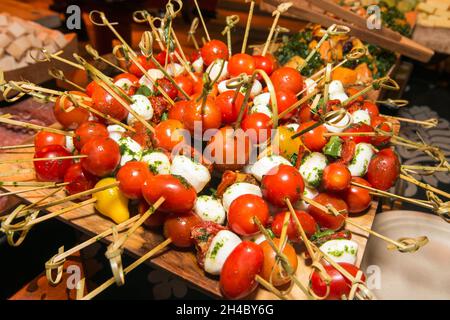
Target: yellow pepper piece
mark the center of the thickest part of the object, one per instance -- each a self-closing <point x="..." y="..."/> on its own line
<point x="283" y="144"/>
<point x="111" y="202"/>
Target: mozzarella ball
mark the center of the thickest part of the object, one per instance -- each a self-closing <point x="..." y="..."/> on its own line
<point x="341" y="250"/>
<point x="129" y="150"/>
<point x="198" y="65"/>
<point x="195" y="173"/>
<point x="262" y="99"/>
<point x="154" y="75"/>
<point x="262" y="108"/>
<point x="124" y="83"/>
<point x="157" y="161"/>
<point x="69" y="144"/>
<point x="360" y="162"/>
<point x="142" y="106"/>
<point x="222" y="86"/>
<point x="309" y="193"/>
<point x="220" y="248"/>
<point x="115" y="132"/>
<point x="174" y="69"/>
<point x="238" y="189"/>
<point x="214" y="70"/>
<point x="336" y="91"/>
<point x="361" y="116"/>
<point x="293" y="126"/>
<point x="210" y="208"/>
<point x="310" y="85"/>
<point x="265" y="164"/>
<point x="341" y="125"/>
<point x="312" y="168"/>
<point x="255" y="90"/>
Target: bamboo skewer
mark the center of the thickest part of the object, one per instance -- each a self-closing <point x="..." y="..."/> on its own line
<point x="43" y="159"/>
<point x="96" y="56"/>
<point x="248" y="25"/>
<point x="231" y="23"/>
<point x="281" y="8"/>
<point x="59" y="75"/>
<point x="30" y="190"/>
<point x="35" y="127"/>
<point x="200" y="15"/>
<point x="191" y="33"/>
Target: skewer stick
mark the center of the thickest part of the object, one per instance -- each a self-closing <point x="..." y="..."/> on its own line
<point x="56" y="56"/>
<point x="96" y="56"/>
<point x="35" y="127"/>
<point x="45" y="197"/>
<point x="269" y="287"/>
<point x="355" y="134"/>
<point x="425" y="168"/>
<point x="200" y="15"/>
<point x="18" y="146"/>
<point x="430" y="123"/>
<point x="128" y="269"/>
<point x="31" y="190"/>
<point x="298" y="103"/>
<point x="248" y="25"/>
<point x="281" y="8"/>
<point x="43" y="159"/>
<point x="59" y="75"/>
<point x="300" y="229"/>
<point x="278" y="29"/>
<point x="231" y="23"/>
<point x="191" y="33"/>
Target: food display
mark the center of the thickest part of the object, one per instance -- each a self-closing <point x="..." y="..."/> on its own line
<point x="434" y="13"/>
<point x="226" y="155"/>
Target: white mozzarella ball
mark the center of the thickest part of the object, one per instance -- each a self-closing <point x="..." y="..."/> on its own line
<point x="336" y="91"/>
<point x="198" y="65"/>
<point x="69" y="144"/>
<point x="255" y="90"/>
<point x="129" y="149"/>
<point x="256" y="238"/>
<point x="142" y="106"/>
<point x="310" y="85"/>
<point x="262" y="108"/>
<point x="210" y="208"/>
<point x="115" y="132"/>
<point x="195" y="173"/>
<point x="265" y="164"/>
<point x="124" y="83"/>
<point x="222" y="86"/>
<point x="338" y="96"/>
<point x="174" y="69"/>
<point x="214" y="70"/>
<point x="221" y="247"/>
<point x="341" y="250"/>
<point x="361" y="116"/>
<point x="360" y="162"/>
<point x="312" y="168"/>
<point x="238" y="189"/>
<point x="262" y="99"/>
<point x="341" y="125"/>
<point x="293" y="126"/>
<point x="154" y="75"/>
<point x="309" y="193"/>
<point x="158" y="162"/>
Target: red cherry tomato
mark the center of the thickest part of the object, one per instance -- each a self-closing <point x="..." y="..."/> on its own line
<point x="257" y="126"/>
<point x="384" y="169"/>
<point x="281" y="183"/>
<point x="168" y="134"/>
<point x="359" y="127"/>
<point x="179" y="195"/>
<point x="131" y="177"/>
<point x="167" y="87"/>
<point x="339" y="285"/>
<point x="185" y="83"/>
<point x="45" y="138"/>
<point x="241" y="63"/>
<point x="75" y="117"/>
<point x="272" y="270"/>
<point x="371" y="108"/>
<point x="264" y="63"/>
<point x="103" y="156"/>
<point x="242" y="211"/>
<point x="314" y="139"/>
<point x="197" y="85"/>
<point x="213" y="50"/>
<point x="336" y="177"/>
<point x="205" y="113"/>
<point x="237" y="278"/>
<point x="87" y="131"/>
<point x="177" y="110"/>
<point x="308" y="223"/>
<point x="285" y="99"/>
<point x="287" y="79"/>
<point x="105" y="103"/>
<point x="381" y="123"/>
<point x="357" y="199"/>
<point x="230" y="110"/>
<point x="230" y="149"/>
<point x="52" y="170"/>
<point x="144" y="62"/>
<point x="79" y="180"/>
<point x="325" y="219"/>
<point x="178" y="228"/>
<point x="127" y="82"/>
<point x="305" y="114"/>
<point x="90" y="88"/>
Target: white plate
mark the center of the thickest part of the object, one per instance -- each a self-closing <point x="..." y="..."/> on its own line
<point x="424" y="274"/>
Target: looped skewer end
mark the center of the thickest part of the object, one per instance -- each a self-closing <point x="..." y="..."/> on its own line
<point x="338" y="30"/>
<point x="104" y="21"/>
<point x="114" y="255"/>
<point x="92" y="52"/>
<point x="356" y="53"/>
<point x="170" y="8"/>
<point x="193" y="28"/>
<point x="386" y="83"/>
<point x="57" y="74"/>
<point x="441" y="208"/>
<point x="58" y="266"/>
<point x="140" y="16"/>
<point x="393" y="103"/>
<point x="282" y="8"/>
<point x="45" y="55"/>
<point x="146" y="44"/>
<point x="409" y="244"/>
<point x="22" y="227"/>
<point x="237" y="82"/>
<point x="231" y="22"/>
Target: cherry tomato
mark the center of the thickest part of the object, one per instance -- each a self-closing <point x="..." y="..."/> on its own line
<point x="229" y="149"/>
<point x="357" y="199"/>
<point x="384" y="169"/>
<point x="103" y="156"/>
<point x="336" y="177"/>
<point x="381" y="123"/>
<point x="264" y="63"/>
<point x="168" y="134"/>
<point x="213" y="50"/>
<point x="87" y="131"/>
<point x="177" y="110"/>
<point x="285" y="99"/>
<point x="45" y="138"/>
<point x="79" y="180"/>
<point x="257" y="126"/>
<point x="230" y="110"/>
<point x="144" y="62"/>
<point x="185" y="83"/>
<point x="90" y="88"/>
<point x="242" y="211"/>
<point x="241" y="63"/>
<point x="162" y="56"/>
<point x="198" y="85"/>
<point x="52" y="170"/>
<point x="287" y="79"/>
<point x="271" y="270"/>
<point x="131" y="177"/>
<point x="281" y="183"/>
<point x="339" y="285"/>
<point x="204" y="112"/>
<point x="178" y="228"/>
<point x="237" y="278"/>
<point x="105" y="103"/>
<point x="308" y="223"/>
<point x="325" y="219"/>
<point x="314" y="139"/>
<point x="305" y="114"/>
<point x="127" y="82"/>
<point x="179" y="195"/>
<point x="75" y="117"/>
<point x="359" y="127"/>
<point x="167" y="87"/>
<point x="371" y="108"/>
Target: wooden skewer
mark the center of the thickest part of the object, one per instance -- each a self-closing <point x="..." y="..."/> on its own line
<point x="248" y="25"/>
<point x="191" y="33"/>
<point x="59" y="75"/>
<point x="43" y="159"/>
<point x="355" y="134"/>
<point x="200" y="15"/>
<point x="269" y="287"/>
<point x="18" y="146"/>
<point x="31" y="190"/>
<point x="57" y="57"/>
<point x="35" y="127"/>
<point x="281" y="8"/>
<point x="430" y="123"/>
<point x="425" y="168"/>
<point x="96" y="56"/>
<point x="231" y="22"/>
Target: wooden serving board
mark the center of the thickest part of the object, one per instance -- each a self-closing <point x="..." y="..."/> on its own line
<point x="178" y="262"/>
